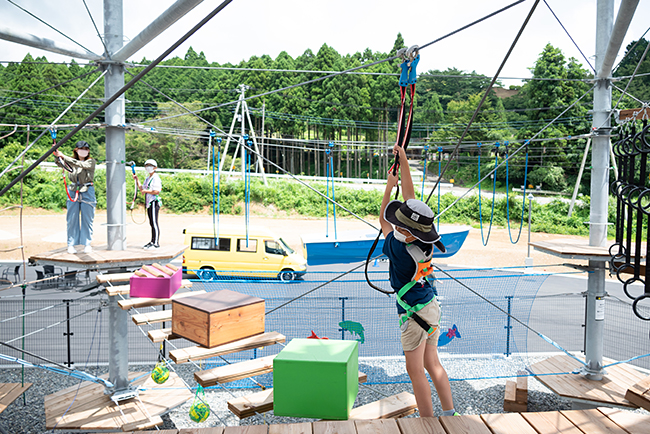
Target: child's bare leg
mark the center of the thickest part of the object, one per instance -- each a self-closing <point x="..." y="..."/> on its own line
<point x="421" y="389"/>
<point x="438" y="375"/>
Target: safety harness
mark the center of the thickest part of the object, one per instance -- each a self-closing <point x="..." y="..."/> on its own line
<point x="65" y="167"/>
<point x="422" y="271"/>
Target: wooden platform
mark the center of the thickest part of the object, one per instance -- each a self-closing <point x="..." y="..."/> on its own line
<point x="93" y="410"/>
<point x="183" y="355"/>
<point x="573" y="249"/>
<point x="101" y="258"/>
<point x="610" y="391"/>
<point x="9" y="392"/>
<point x="597" y="421"/>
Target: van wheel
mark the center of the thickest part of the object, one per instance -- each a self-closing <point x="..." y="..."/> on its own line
<point x="207" y="274"/>
<point x="287" y="275"/>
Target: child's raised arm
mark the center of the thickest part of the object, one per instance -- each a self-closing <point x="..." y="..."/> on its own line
<point x="408" y="191"/>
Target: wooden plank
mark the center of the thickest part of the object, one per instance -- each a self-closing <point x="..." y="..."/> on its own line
<point x="398" y="405"/>
<point x="143" y="424"/>
<point x="115" y="277"/>
<point x="507" y="424"/>
<point x="592" y="422"/>
<point x="247" y="406"/>
<point x="638" y="114"/>
<point x="113" y="291"/>
<point x="10" y="393"/>
<point x="152" y="317"/>
<point x="639" y="393"/>
<point x="249" y="429"/>
<point x="381" y="426"/>
<point x="291" y="428"/>
<point x="550" y="422"/>
<point x="420" y="425"/>
<point x="183" y="355"/>
<point x="139" y="302"/>
<point x="212" y="430"/>
<point x="161" y="335"/>
<point x="633" y="423"/>
<point x="334" y="427"/>
<point x="235" y="371"/>
<point x="470" y="424"/>
<point x="522" y="387"/>
<point x="510" y="402"/>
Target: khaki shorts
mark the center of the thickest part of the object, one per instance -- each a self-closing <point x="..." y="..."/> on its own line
<point x="413" y="334"/>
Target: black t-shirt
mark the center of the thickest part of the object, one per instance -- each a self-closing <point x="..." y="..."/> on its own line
<point x="401" y="270"/>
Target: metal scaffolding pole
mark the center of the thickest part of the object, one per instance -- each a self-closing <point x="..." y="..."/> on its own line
<point x="118" y="362"/>
<point x="608" y="42"/>
<point x="45" y="44"/>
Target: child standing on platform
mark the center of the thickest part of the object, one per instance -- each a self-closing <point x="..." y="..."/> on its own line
<point x="151" y="188"/>
<point x="410" y="237"/>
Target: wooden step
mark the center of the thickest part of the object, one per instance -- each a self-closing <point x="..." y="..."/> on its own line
<point x="522" y="387"/>
<point x="126" y="290"/>
<point x="247" y="406"/>
<point x="235" y="371"/>
<point x="395" y="406"/>
<point x="160" y="335"/>
<point x="510" y="402"/>
<point x="142" y="424"/>
<point x="183" y="355"/>
<point x="113" y="278"/>
<point x="639" y="394"/>
<point x="261" y="402"/>
<point x="140" y="302"/>
<point x="152" y="317"/>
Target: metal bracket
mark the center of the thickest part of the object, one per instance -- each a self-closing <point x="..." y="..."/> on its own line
<point x="123" y="395"/>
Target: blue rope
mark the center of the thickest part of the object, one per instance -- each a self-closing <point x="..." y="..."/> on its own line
<point x="523" y="204"/>
<point x="485" y="240"/>
<point x="218" y="185"/>
<point x="327" y="193"/>
<point x="247" y="190"/>
<point x="627" y="361"/>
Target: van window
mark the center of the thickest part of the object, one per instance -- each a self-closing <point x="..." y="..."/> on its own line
<point x="273" y="247"/>
<point x="208" y="243"/>
<point x="241" y="245"/>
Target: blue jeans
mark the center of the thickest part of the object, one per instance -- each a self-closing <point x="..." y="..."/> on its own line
<point x="81" y="214"/>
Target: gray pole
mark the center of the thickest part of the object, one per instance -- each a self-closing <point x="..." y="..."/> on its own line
<point x="595" y="320"/>
<point x="118" y="362"/>
<point x="45" y="44"/>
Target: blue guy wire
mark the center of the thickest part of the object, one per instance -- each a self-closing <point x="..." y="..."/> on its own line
<point x="424" y="170"/>
<point x="485" y="240"/>
<point x="523" y="205"/>
<point x="218" y="184"/>
<point x="327" y="193"/>
<point x="331" y="144"/>
<point x="439" y="174"/>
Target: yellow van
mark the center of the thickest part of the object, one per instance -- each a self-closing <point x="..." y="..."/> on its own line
<point x="263" y="255"/>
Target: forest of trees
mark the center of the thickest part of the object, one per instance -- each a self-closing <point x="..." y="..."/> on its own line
<point x="357" y="111"/>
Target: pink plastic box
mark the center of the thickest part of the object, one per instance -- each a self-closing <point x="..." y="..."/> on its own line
<point x="152" y="286"/>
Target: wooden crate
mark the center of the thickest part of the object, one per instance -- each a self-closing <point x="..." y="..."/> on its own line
<point x="218" y="317"/>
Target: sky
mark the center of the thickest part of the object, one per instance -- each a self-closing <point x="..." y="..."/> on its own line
<point x="248" y="28"/>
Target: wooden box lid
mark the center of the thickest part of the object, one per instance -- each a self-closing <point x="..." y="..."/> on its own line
<point x="217" y="301"/>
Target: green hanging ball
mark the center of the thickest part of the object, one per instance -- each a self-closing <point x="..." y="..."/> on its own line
<point x="199" y="412"/>
<point x="160" y="373"/>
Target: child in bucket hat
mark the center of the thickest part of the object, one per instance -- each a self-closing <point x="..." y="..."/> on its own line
<point x="409" y="231"/>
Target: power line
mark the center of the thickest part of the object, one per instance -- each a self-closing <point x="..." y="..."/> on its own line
<point x="367" y="65"/>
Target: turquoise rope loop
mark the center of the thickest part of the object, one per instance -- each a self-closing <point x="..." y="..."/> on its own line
<point x="523" y="204"/>
<point x="439" y="174"/>
<point x="484" y="239"/>
<point x="424" y="170"/>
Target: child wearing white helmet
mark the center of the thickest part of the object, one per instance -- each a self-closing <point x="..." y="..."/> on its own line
<point x="151" y="188"/>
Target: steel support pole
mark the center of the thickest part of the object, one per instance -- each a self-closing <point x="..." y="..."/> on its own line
<point x="595" y="324"/>
<point x="46" y="44"/>
<point x="118" y="359"/>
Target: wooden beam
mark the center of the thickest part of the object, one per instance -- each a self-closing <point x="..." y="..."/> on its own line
<point x="235" y="371"/>
<point x="139" y="302"/>
<point x="116" y="277"/>
<point x="637" y="114"/>
<point x="152" y="317"/>
<point x="399" y="405"/>
<point x="639" y="393"/>
<point x="183" y="355"/>
<point x="160" y="335"/>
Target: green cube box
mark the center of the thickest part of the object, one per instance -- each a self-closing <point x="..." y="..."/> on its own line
<point x="316" y="378"/>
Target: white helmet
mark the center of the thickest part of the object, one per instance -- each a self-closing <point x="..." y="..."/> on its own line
<point x="151" y="162"/>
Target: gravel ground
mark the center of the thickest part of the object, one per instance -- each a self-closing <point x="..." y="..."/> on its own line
<point x="470" y="396"/>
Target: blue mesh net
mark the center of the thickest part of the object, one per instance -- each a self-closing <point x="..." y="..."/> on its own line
<point x="347" y="308"/>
